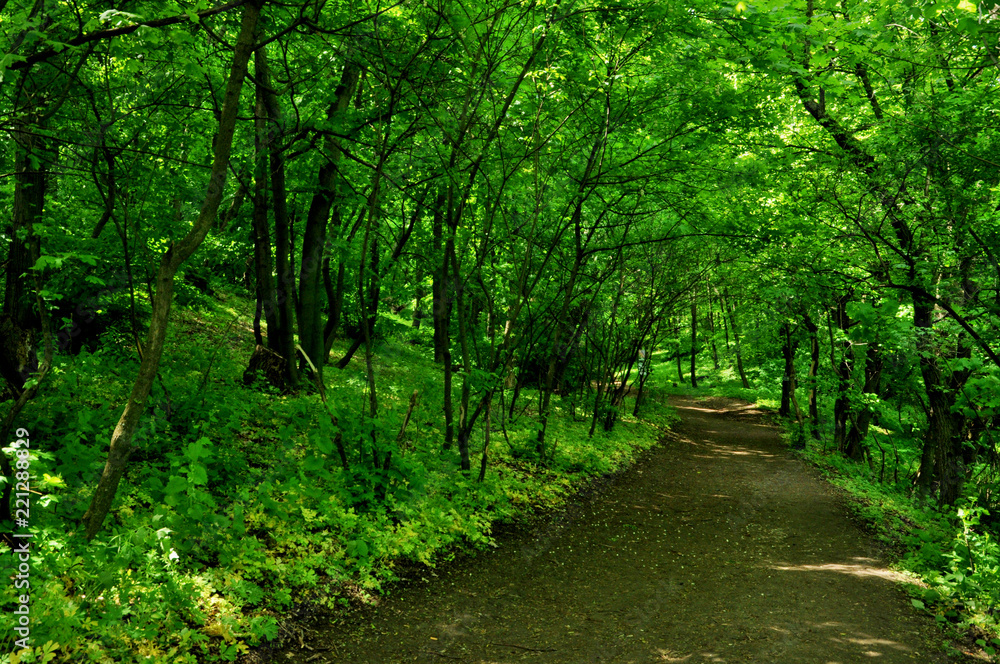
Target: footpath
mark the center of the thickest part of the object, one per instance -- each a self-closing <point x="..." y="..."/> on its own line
<point x="718" y="546"/>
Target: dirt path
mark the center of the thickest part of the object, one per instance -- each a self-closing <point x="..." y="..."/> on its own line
<point x="717" y="547"/>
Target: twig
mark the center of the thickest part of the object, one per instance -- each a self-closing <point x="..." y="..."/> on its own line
<point x="512" y="645"/>
<point x="441" y="654"/>
<point x="409" y="413"/>
<point x="338" y="438"/>
<point x="211" y="361"/>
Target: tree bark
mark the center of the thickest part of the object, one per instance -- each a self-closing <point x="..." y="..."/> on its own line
<point x="335" y="296"/>
<point x="680" y="365"/>
<point x="941" y="458"/>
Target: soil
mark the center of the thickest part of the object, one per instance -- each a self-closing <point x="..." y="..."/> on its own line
<point x="719" y="546"/>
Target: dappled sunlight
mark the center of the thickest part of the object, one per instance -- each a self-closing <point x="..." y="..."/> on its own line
<point x="847" y="645"/>
<point x="730" y="408"/>
<point x="456" y="627"/>
<point x="721" y="450"/>
<point x="851" y="569"/>
<point x="701" y="409"/>
<point x="741" y="451"/>
<point x="868" y="642"/>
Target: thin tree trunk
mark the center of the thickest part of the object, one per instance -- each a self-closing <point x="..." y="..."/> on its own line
<point x="486" y="441"/>
<point x="440" y="309"/>
<point x="229" y="215"/>
<point x="725" y="323"/>
<point x="266" y="299"/>
<point x="125" y="431"/>
<point x="843" y="369"/>
<point x="694" y="342"/>
<point x="813" y="330"/>
<point x="335" y="296"/>
<point x="418" y="300"/>
<point x="464" y="420"/>
<point x="788" y="348"/>
<point x="680" y="364"/>
<point x="369" y="314"/>
<point x="727" y="304"/>
<point x="711" y="332"/>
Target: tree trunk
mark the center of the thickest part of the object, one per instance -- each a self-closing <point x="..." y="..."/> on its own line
<point x="680" y="365"/>
<point x="727" y="304"/>
<point x="813" y="330"/>
<point x="418" y="299"/>
<point x="266" y="299"/>
<point x="224" y="219"/>
<point x="465" y="420"/>
<point x="942" y="441"/>
<point x="284" y="296"/>
<point x="335" y="296"/>
<point x="860" y="422"/>
<point x="19" y="322"/>
<point x="440" y="311"/>
<point x="486" y="442"/>
<point x="311" y="288"/>
<point x="368" y="308"/>
<point x="711" y="332"/>
<point x="173" y="257"/>
<point x="788" y="348"/>
<point x="843" y="370"/>
<point x="694" y="342"/>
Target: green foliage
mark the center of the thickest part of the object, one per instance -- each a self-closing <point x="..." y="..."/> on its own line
<point x="236" y="509"/>
<point x="565" y="184"/>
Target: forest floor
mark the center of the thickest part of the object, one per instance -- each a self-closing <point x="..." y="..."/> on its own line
<point x="718" y="546"/>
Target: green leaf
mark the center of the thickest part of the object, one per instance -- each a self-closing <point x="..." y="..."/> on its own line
<point x="198" y="474"/>
<point x="200" y="449"/>
<point x="175" y="485"/>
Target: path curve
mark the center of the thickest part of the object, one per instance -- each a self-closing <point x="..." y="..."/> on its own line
<point x="717" y="547"/>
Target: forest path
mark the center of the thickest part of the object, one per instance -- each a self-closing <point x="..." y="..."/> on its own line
<point x="717" y="547"/>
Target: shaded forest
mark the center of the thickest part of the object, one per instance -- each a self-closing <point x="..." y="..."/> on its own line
<point x="300" y="295"/>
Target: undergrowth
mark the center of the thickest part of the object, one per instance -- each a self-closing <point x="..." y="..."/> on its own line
<point x="235" y="515"/>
